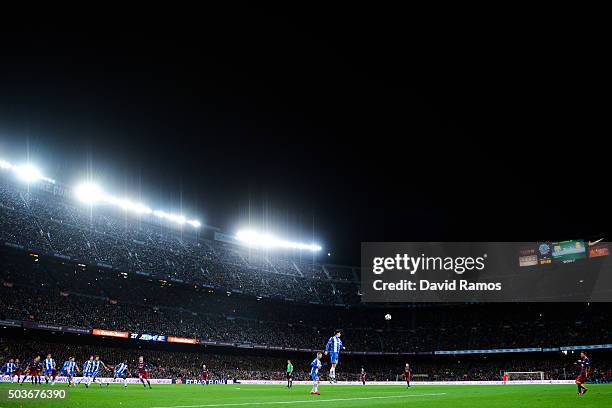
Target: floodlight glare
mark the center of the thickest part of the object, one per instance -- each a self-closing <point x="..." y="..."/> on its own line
<point x="129" y="205"/>
<point x="25" y="172"/>
<point x="28" y="173"/>
<point x="194" y="223"/>
<point x="92" y="194"/>
<point x="256" y="239"/>
<point x="88" y="193"/>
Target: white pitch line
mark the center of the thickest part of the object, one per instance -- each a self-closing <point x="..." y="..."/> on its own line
<point x="244" y="404"/>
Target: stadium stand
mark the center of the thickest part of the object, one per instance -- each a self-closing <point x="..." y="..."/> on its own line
<point x="63" y="264"/>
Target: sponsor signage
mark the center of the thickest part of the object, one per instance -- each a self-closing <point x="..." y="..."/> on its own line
<point x="589" y="347"/>
<point x="183" y="340"/>
<point x="490" y="351"/>
<point x="148" y="337"/>
<point x="110" y="333"/>
<point x="55" y="327"/>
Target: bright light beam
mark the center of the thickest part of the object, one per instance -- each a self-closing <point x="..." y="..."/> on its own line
<point x="92" y="194"/>
<point x="256" y="239"/>
<point x="25" y="172"/>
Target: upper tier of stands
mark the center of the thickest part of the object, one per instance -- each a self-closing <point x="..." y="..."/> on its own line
<point x="48" y="223"/>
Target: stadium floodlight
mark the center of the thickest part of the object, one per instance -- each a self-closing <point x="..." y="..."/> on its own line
<point x="88" y="193"/>
<point x="28" y="173"/>
<point x="92" y="194"/>
<point x="25" y="172"/>
<point x="256" y="239"/>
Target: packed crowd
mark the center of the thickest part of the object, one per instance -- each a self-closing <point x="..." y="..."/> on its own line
<point x="52" y="224"/>
<point x="204" y="289"/>
<point x="188" y="365"/>
<point x="44" y="291"/>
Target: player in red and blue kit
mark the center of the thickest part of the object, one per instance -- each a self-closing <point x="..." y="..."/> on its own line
<point x="407" y="375"/>
<point x="33" y="369"/>
<point x="143" y="373"/>
<point x="204" y="375"/>
<point x="585" y="369"/>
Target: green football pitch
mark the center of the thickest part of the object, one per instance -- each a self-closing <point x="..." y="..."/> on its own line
<point x="199" y="396"/>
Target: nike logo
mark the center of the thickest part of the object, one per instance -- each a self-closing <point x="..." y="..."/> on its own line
<point x="595" y="242"/>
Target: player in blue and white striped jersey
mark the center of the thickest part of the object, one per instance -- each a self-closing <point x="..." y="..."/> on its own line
<point x="315" y="366"/>
<point x="10" y="368"/>
<point x="98" y="365"/>
<point x="69" y="368"/>
<point x="87" y="371"/>
<point x="49" y="369"/>
<point x="121" y="371"/>
<point x="333" y="347"/>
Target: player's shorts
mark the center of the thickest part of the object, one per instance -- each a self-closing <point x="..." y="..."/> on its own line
<point x="143" y="374"/>
<point x="69" y="373"/>
<point x="334" y="357"/>
<point x="34" y="373"/>
<point x="407" y="375"/>
<point x="95" y="373"/>
<point x="121" y="375"/>
<point x="289" y="376"/>
<point x="314" y="376"/>
<point x="48" y="372"/>
<point x="205" y="376"/>
<point x="87" y="373"/>
<point x="581" y="379"/>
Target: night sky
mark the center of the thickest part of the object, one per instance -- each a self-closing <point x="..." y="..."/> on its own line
<point x="337" y="126"/>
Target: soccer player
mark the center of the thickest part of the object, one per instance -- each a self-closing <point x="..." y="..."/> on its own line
<point x="333" y="347"/>
<point x="97" y="366"/>
<point x="585" y="369"/>
<point x="87" y="371"/>
<point x="18" y="370"/>
<point x="407" y="375"/>
<point x="143" y="373"/>
<point x="49" y="369"/>
<point x="289" y="374"/>
<point x="9" y="368"/>
<point x="363" y="375"/>
<point x="33" y="369"/>
<point x="204" y="375"/>
<point x="121" y="371"/>
<point x="314" y="373"/>
<point x="68" y="369"/>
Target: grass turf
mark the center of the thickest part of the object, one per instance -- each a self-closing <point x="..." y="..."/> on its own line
<point x="193" y="396"/>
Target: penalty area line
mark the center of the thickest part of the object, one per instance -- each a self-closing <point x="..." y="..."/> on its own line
<point x="314" y="401"/>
